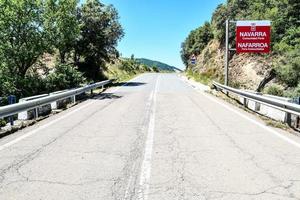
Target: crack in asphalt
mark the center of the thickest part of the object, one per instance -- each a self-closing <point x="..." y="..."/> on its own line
<point x="34" y="154"/>
<point x="251" y="158"/>
<point x="126" y="188"/>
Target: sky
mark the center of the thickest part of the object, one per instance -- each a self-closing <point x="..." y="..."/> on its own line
<point x="155" y="29"/>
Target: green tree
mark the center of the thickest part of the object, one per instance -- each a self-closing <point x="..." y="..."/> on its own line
<point x="100" y="32"/>
<point x="196" y="42"/>
<point x="62" y="24"/>
<point x="218" y="21"/>
<point x="288" y="69"/>
<point x="132" y="57"/>
<point x="23" y="38"/>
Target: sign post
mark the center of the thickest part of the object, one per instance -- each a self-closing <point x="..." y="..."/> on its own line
<point x="226" y="52"/>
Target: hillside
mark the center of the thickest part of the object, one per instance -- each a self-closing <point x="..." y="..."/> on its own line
<point x="279" y="70"/>
<point x="124" y="69"/>
<point x="161" y="66"/>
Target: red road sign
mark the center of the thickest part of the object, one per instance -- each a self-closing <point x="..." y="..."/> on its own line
<point x="253" y="36"/>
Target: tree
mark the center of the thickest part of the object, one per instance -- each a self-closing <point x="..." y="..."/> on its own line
<point x="99" y="34"/>
<point x="23" y="39"/>
<point x="196" y="42"/>
<point x="288" y="69"/>
<point x="218" y="20"/>
<point x="132" y="57"/>
<point x="62" y="24"/>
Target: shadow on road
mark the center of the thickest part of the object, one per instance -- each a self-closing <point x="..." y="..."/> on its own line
<point x="108" y="96"/>
<point x="128" y="84"/>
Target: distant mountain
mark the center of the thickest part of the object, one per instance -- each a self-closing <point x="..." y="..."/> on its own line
<point x="159" y="65"/>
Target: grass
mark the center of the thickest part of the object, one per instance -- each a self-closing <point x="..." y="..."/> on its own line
<point x="203" y="78"/>
<point x="121" y="76"/>
<point x="275" y="124"/>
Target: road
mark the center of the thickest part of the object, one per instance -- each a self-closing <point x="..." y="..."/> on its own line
<point x="155" y="138"/>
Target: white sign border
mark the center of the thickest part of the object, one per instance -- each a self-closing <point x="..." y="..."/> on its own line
<point x="255" y="22"/>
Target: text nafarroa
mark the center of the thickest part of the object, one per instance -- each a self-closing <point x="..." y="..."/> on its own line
<point x="253" y="45"/>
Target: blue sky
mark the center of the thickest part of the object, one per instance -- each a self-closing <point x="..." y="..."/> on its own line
<point x="155" y="29"/>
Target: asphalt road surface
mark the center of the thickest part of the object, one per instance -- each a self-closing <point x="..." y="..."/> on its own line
<point x="155" y="138"/>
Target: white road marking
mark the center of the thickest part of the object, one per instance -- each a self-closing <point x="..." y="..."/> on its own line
<point x="6" y="145"/>
<point x="132" y="175"/>
<point x="143" y="190"/>
<point x="287" y="139"/>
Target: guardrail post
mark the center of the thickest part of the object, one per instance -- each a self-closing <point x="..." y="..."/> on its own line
<point x="36" y="113"/>
<point x="53" y="105"/>
<point x="245" y="102"/>
<point x="297" y="122"/>
<point x="288" y="119"/>
<point x="11" y="100"/>
<point x="73" y="99"/>
<point x="257" y="106"/>
<point x="22" y="115"/>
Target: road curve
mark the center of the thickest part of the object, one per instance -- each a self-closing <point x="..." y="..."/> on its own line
<point x="155" y="138"/>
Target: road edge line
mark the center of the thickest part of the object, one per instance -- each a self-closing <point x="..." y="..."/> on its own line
<point x="263" y="126"/>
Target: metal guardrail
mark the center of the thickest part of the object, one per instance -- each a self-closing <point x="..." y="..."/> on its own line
<point x="33" y="97"/>
<point x="288" y="107"/>
<point x="9" y="110"/>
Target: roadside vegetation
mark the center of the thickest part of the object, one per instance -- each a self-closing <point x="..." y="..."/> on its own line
<point x="124" y="69"/>
<point x="52" y="45"/>
<point x="49" y="45"/>
<point x="284" y="68"/>
<point x="204" y="78"/>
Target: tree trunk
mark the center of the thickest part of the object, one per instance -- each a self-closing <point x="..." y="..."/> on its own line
<point x="62" y="57"/>
<point x="269" y="77"/>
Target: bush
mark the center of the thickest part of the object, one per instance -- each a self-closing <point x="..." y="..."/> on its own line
<point x="155" y="69"/>
<point x="12" y="84"/>
<point x="128" y="65"/>
<point x="288" y="69"/>
<point x="144" y="68"/>
<point x="31" y="85"/>
<point x="2" y="123"/>
<point x="274" y="90"/>
<point x="65" y="76"/>
<point x="7" y="83"/>
<point x="294" y="92"/>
